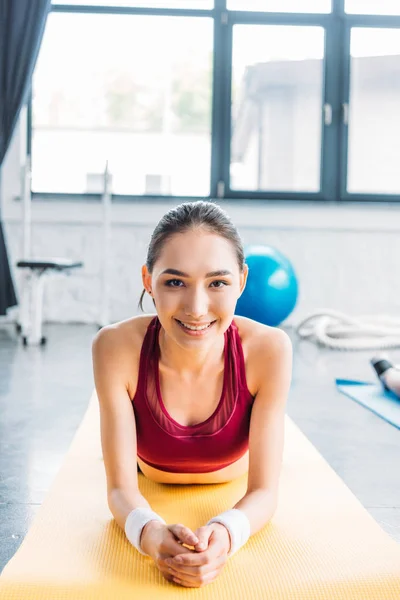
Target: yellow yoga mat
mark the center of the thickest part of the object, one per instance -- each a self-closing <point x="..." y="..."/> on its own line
<point x="320" y="544"/>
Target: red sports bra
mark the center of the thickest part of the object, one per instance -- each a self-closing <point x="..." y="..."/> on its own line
<point x="219" y="441"/>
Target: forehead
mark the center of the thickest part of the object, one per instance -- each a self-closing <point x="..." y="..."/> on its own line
<point x="197" y="252"/>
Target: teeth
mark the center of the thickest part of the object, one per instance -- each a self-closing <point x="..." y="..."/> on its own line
<point x="195" y="328"/>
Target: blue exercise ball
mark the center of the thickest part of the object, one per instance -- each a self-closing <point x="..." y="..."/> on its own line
<point x="271" y="291"/>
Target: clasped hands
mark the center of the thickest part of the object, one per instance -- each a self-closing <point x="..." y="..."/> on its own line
<point x="190" y="559"/>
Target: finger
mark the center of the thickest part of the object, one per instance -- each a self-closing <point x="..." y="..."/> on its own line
<point x="165" y="558"/>
<point x="220" y="540"/>
<point x="193" y="559"/>
<point x="167" y="573"/>
<point x="184" y="534"/>
<point x="198" y="571"/>
<point x="185" y="582"/>
<point x="163" y="566"/>
<point x="171" y="548"/>
<point x="203" y="535"/>
<point x="168" y="576"/>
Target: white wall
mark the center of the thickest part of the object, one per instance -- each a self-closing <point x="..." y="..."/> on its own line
<point x="346" y="257"/>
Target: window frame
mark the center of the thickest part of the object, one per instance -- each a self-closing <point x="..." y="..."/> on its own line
<point x="335" y="87"/>
<point x="300" y="19"/>
<point x="371" y="21"/>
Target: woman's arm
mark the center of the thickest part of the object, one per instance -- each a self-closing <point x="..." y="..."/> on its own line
<point x="117" y="423"/>
<point x="266" y="438"/>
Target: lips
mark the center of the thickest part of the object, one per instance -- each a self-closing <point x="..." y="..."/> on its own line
<point x="195" y="327"/>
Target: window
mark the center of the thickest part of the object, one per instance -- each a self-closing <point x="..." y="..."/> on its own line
<point x="116" y="95"/>
<point x="373" y="7"/>
<point x="236" y="99"/>
<point x="301" y="6"/>
<point x="202" y="4"/>
<point x="277" y="97"/>
<point x="374" y="116"/>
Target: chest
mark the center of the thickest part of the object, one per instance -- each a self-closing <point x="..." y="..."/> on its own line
<point x="190" y="401"/>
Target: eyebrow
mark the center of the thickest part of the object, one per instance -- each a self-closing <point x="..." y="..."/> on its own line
<point x="220" y="273"/>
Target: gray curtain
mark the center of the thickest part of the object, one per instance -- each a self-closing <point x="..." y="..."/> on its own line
<point x="22" y="23"/>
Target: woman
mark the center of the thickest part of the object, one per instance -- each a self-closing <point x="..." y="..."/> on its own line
<point x="193" y="394"/>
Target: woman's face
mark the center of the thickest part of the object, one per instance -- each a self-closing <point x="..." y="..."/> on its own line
<point x="195" y="284"/>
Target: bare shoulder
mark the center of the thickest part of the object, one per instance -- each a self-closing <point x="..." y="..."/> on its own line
<point x="263" y="348"/>
<point x="257" y="336"/>
<point x="116" y="348"/>
<point x="123" y="334"/>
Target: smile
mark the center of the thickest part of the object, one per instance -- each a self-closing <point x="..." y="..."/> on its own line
<point x="194" y="328"/>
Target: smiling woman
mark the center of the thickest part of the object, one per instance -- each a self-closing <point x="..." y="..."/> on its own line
<point x="193" y="394"/>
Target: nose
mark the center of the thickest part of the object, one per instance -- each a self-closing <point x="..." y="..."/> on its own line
<point x="196" y="303"/>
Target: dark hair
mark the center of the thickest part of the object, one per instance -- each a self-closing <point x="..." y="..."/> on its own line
<point x="192" y="215"/>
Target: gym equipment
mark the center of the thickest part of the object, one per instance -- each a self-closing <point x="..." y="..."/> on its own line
<point x="383" y="403"/>
<point x="321" y="543"/>
<point x="26" y="186"/>
<point x="105" y="264"/>
<point x="35" y="271"/>
<point x="338" y="331"/>
<point x="101" y="183"/>
<point x="388" y="374"/>
<point x="31" y="305"/>
<point x="271" y="291"/>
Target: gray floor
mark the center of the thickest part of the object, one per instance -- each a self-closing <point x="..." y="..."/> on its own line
<point x="44" y="393"/>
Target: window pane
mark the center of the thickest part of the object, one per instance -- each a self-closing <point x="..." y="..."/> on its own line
<point x="300" y="6"/>
<point x="374" y="116"/>
<point x="201" y="4"/>
<point x="276" y="108"/>
<point x="373" y="7"/>
<point x="133" y="90"/>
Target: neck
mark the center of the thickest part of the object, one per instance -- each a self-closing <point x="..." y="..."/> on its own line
<point x="189" y="361"/>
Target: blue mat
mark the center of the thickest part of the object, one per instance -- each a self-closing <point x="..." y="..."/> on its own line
<point x="383" y="403"/>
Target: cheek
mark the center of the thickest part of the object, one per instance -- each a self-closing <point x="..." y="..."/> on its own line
<point x="226" y="302"/>
<point x="224" y="299"/>
<point x="165" y="299"/>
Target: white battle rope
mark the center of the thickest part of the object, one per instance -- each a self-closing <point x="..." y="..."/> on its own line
<point x="339" y="331"/>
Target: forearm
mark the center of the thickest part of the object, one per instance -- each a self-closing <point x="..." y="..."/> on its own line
<point x="121" y="502"/>
<point x="259" y="507"/>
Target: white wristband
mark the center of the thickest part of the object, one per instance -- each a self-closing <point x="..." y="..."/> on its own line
<point x="135" y="522"/>
<point x="238" y="526"/>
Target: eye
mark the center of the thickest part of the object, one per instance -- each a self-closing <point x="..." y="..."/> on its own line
<point x="219" y="281"/>
<point x="173" y="283"/>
